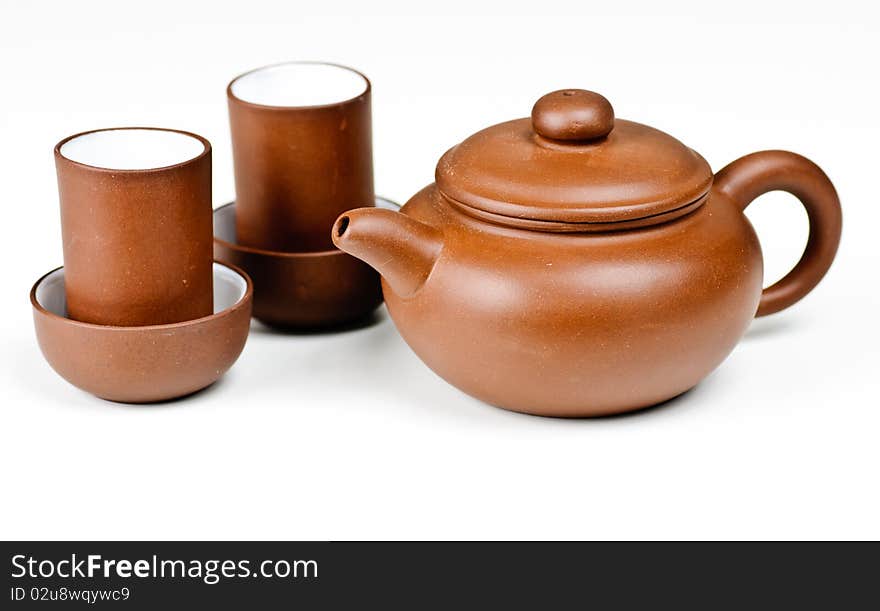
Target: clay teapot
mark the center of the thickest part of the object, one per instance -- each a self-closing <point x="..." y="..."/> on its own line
<point x="575" y="264"/>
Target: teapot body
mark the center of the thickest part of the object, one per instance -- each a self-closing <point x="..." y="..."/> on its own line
<point x="580" y="324"/>
<point x="577" y="264"/>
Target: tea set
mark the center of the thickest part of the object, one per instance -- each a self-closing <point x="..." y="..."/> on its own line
<point x="569" y="263"/>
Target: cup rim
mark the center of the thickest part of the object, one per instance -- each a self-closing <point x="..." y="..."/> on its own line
<point x="206" y="152"/>
<point x="282" y="254"/>
<point x="242" y="302"/>
<point x="274" y="107"/>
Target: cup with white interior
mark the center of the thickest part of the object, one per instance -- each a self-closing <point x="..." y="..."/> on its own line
<point x="302" y="151"/>
<point x="136" y="225"/>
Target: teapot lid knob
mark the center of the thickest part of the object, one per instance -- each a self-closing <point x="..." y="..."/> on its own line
<point x="573" y="115"/>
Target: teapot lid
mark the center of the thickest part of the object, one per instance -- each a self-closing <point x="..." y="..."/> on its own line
<point x="573" y="164"/>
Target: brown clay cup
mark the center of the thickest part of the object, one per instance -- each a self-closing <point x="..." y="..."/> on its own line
<point x="144" y="364"/>
<point x="302" y="151"/>
<point x="136" y="226"/>
<point x="303" y="291"/>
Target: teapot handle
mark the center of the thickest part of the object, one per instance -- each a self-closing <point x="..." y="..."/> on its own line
<point x="753" y="175"/>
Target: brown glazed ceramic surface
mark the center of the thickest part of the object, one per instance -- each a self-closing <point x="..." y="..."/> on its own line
<point x="577" y="265"/>
<point x="310" y="290"/>
<point x="148" y="363"/>
<point x="137" y="243"/>
<point x="297" y="168"/>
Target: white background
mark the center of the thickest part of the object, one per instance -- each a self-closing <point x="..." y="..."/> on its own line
<point x="349" y="435"/>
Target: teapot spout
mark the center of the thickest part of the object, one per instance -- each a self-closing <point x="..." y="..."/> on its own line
<point x="402" y="249"/>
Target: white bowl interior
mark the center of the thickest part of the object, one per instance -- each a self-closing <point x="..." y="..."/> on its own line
<point x="224" y="224"/>
<point x="132" y="149"/>
<point x="229" y="288"/>
<point x="224" y="219"/>
<point x="299" y="84"/>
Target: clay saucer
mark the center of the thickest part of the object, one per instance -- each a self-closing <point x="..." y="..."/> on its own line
<point x="144" y="364"/>
<point x="301" y="290"/>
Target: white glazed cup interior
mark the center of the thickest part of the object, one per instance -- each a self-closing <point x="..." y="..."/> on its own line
<point x="132" y="149"/>
<point x="229" y="288"/>
<point x="299" y="84"/>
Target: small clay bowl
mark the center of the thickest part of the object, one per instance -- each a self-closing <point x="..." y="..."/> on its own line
<point x="317" y="290"/>
<point x="144" y="364"/>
